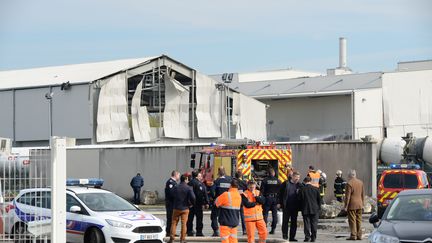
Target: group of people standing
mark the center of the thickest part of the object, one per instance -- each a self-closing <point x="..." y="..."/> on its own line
<point x="236" y="202"/>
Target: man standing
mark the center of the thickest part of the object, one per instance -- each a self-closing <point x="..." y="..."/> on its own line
<point x="354" y="199"/>
<point x="201" y="202"/>
<point x="229" y="208"/>
<point x="322" y="184"/>
<point x="183" y="199"/>
<point x="252" y="201"/>
<point x="270" y="189"/>
<point x="310" y="206"/>
<point x="289" y="202"/>
<point x="136" y="183"/>
<point x="242" y="187"/>
<point x="169" y="198"/>
<point x="339" y="186"/>
<point x="221" y="185"/>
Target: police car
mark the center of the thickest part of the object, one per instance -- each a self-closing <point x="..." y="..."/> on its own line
<point x="93" y="215"/>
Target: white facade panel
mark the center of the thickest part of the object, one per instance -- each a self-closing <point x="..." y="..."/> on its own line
<point x="252" y="119"/>
<point x="368" y="114"/>
<point x="317" y="118"/>
<point x="407" y="98"/>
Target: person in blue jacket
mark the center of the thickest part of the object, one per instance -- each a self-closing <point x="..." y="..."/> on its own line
<point x="136" y="183"/>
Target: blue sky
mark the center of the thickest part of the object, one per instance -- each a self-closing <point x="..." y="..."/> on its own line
<point x="217" y="36"/>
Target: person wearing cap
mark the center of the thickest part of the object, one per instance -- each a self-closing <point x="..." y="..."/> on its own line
<point x="270" y="189"/>
<point x="253" y="212"/>
<point x="229" y="204"/>
<point x="201" y="202"/>
<point x="221" y="185"/>
<point x="314" y="175"/>
<point x="339" y="186"/>
<point x="136" y="183"/>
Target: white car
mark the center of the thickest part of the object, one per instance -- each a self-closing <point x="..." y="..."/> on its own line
<point x="93" y="216"/>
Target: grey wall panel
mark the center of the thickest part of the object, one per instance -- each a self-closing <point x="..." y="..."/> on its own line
<point x="330" y="157"/>
<point x="82" y="163"/>
<point x="6" y="116"/>
<point x="71" y="113"/>
<point x="32" y="111"/>
<point x="118" y="166"/>
<point x="319" y="118"/>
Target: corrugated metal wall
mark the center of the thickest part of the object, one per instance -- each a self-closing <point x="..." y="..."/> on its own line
<point x="118" y="165"/>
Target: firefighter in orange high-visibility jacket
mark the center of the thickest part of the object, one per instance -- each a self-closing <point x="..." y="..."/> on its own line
<point x="253" y="213"/>
<point x="229" y="204"/>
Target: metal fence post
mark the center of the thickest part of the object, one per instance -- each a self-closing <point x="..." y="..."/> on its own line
<point x="58" y="187"/>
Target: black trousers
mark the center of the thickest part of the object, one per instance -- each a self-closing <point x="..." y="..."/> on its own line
<point x="289" y="214"/>
<point x="243" y="223"/>
<point x="197" y="211"/>
<point x="271" y="205"/>
<point x="214" y="218"/>
<point x="310" y="225"/>
<point x="169" y="212"/>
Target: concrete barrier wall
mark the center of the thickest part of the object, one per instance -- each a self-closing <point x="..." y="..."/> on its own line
<point x="331" y="156"/>
<point x="118" y="165"/>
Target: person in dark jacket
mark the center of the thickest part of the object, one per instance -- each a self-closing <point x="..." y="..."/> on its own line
<point x="289" y="202"/>
<point x="169" y="198"/>
<point x="310" y="200"/>
<point x="221" y="185"/>
<point x="229" y="204"/>
<point x="136" y="183"/>
<point x="339" y="186"/>
<point x="201" y="202"/>
<point x="270" y="189"/>
<point x="242" y="187"/>
<point x="184" y="198"/>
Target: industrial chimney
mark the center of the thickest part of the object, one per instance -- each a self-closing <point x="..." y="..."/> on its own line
<point x="342" y="69"/>
<point x="342" y="53"/>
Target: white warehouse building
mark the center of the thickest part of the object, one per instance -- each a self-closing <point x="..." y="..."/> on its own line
<point x="343" y="105"/>
<point x="153" y="99"/>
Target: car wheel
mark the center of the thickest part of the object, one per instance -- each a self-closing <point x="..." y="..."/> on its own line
<point x="94" y="235"/>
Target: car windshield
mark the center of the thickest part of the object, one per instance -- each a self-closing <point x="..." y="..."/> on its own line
<point x="398" y="180"/>
<point x="105" y="202"/>
<point x="411" y="208"/>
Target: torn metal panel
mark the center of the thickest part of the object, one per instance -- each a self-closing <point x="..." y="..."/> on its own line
<point x="208" y="109"/>
<point x="140" y="118"/>
<point x="112" y="114"/>
<point x="176" y="112"/>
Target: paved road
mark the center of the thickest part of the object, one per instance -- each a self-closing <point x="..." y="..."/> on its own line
<point x="331" y="230"/>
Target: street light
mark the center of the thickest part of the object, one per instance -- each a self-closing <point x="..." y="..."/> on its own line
<point x="49" y="96"/>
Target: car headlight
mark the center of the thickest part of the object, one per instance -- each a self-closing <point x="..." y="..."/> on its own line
<point x="377" y="237"/>
<point x="118" y="224"/>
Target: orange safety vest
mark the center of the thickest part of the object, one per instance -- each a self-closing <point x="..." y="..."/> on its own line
<point x="255" y="213"/>
<point x="315" y="176"/>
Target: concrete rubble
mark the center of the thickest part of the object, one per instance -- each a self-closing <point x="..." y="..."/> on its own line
<point x="149" y="197"/>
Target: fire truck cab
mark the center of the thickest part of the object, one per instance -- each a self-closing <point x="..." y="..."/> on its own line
<point x="252" y="159"/>
<point x="398" y="178"/>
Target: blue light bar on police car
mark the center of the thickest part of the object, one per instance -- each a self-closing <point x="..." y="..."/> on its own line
<point x="405" y="166"/>
<point x="85" y="182"/>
